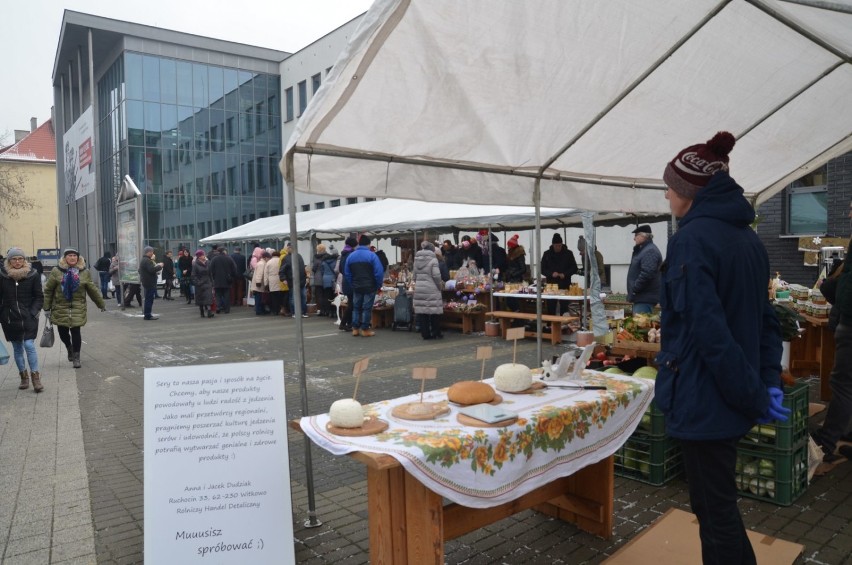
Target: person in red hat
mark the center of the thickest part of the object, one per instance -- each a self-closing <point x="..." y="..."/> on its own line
<point x="516" y="268"/>
<point x="719" y="363"/>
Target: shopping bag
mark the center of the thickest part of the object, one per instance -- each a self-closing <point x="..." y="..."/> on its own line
<point x="4" y="355"/>
<point x="47" y="336"/>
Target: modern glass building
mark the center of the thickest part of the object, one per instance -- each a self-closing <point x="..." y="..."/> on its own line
<point x="194" y="121"/>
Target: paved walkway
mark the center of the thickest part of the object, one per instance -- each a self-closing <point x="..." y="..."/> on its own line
<point x="71" y="458"/>
<point x="45" y="508"/>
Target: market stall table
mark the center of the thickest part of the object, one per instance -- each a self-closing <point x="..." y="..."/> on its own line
<point x="465" y="320"/>
<point x="573" y="303"/>
<point x="557" y="458"/>
<point x="382" y="317"/>
<point x="813" y="353"/>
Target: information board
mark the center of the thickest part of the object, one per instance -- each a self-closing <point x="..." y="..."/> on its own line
<point x="217" y="474"/>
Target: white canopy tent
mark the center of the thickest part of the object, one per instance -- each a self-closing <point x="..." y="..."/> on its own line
<point x="468" y="101"/>
<point x="393" y="216"/>
<point x="572" y="103"/>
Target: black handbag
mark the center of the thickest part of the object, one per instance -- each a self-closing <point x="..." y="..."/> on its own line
<point x="47" y="336"/>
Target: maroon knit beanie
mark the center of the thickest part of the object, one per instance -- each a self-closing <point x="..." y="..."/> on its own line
<point x="692" y="168"/>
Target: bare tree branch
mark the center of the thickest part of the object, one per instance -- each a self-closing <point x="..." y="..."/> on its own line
<point x="13" y="190"/>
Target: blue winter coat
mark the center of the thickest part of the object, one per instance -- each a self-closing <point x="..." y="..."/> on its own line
<point x="643" y="275"/>
<point x="721" y="340"/>
<point x="363" y="270"/>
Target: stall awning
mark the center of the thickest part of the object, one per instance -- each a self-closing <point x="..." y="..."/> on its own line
<point x="470" y="102"/>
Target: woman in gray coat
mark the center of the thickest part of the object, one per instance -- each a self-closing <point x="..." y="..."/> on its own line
<point x="427" y="291"/>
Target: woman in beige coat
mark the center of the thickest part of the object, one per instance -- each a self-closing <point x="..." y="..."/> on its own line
<point x="276" y="292"/>
<point x="260" y="284"/>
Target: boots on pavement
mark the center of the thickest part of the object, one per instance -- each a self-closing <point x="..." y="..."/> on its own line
<point x="25" y="380"/>
<point x="77" y="363"/>
<point x="37" y="386"/>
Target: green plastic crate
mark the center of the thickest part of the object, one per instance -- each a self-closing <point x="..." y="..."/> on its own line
<point x="787" y="435"/>
<point x="778" y="476"/>
<point x="653" y="422"/>
<point x="649" y="459"/>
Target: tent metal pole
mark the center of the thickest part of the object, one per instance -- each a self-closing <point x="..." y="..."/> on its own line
<point x="586" y="280"/>
<point x="312" y="521"/>
<point x="537" y="256"/>
<point x="491" y="246"/>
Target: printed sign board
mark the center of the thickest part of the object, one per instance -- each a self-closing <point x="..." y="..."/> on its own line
<point x="217" y="475"/>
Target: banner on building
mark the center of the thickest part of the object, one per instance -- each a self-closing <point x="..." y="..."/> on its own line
<point x="79" y="158"/>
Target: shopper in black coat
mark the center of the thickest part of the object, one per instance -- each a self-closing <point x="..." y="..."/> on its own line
<point x="21" y="299"/>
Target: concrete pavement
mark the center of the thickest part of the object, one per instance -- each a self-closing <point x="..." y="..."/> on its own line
<point x="82" y="440"/>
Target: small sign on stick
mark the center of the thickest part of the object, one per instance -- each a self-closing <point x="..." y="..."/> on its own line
<point x="483" y="352"/>
<point x="357" y="369"/>
<point x="515" y="334"/>
<point x="423" y="374"/>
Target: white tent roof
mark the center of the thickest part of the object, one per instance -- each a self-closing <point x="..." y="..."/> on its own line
<point x="470" y="101"/>
<point x="391" y="216"/>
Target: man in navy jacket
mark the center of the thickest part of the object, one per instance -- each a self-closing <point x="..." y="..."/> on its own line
<point x="364" y="274"/>
<point x="720" y="370"/>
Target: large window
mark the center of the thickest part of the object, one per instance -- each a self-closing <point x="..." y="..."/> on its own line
<point x="807" y="205"/>
<point x="316" y="81"/>
<point x="303" y="97"/>
<point x="288" y="95"/>
<point x="195" y="138"/>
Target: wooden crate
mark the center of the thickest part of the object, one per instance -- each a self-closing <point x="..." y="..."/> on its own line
<point x="636" y="349"/>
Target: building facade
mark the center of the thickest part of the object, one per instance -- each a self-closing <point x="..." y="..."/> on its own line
<point x="815" y="206"/>
<point x="30" y="164"/>
<point x="195" y="122"/>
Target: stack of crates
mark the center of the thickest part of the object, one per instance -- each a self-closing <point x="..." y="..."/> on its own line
<point x="649" y="455"/>
<point x="772" y="460"/>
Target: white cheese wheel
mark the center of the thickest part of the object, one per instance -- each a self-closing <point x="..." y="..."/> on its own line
<point x="512" y="377"/>
<point x="346" y="413"/>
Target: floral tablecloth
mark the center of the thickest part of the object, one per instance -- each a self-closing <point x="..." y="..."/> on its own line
<point x="559" y="431"/>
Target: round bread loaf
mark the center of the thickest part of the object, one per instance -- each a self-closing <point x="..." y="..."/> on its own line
<point x="512" y="377"/>
<point x="346" y="413"/>
<point x="470" y="392"/>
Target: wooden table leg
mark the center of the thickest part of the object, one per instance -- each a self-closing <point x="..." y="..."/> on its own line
<point x="555" y="333"/>
<point x="465" y="323"/>
<point x="386" y="513"/>
<point x="826" y="362"/>
<point x="424" y="524"/>
<point x="589" y="500"/>
<point x="405" y="519"/>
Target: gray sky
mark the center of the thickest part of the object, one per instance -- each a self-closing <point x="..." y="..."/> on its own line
<point x="29" y="34"/>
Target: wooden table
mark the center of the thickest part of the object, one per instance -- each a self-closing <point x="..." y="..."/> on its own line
<point x="813" y="353"/>
<point x="467" y="322"/>
<point x="555" y="458"/>
<point x="409" y="523"/>
<point x="382" y="317"/>
<point x="554" y="323"/>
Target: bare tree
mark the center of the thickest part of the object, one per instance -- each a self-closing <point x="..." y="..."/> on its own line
<point x="13" y="186"/>
<point x="13" y="190"/>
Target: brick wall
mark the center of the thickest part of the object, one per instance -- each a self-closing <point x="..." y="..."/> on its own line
<point x="784" y="254"/>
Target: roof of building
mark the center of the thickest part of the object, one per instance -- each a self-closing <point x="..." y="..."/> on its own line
<point x="39" y="145"/>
